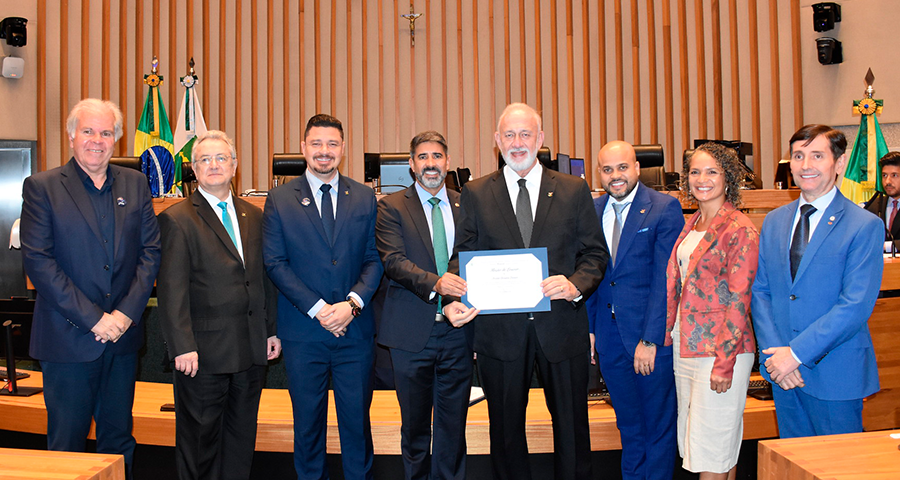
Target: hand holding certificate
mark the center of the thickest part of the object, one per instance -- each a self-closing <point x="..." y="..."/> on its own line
<point x="506" y="281"/>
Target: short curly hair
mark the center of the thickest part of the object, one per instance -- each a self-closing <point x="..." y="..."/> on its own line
<point x="728" y="161"/>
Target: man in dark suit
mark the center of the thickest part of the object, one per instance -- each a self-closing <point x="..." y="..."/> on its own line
<point x="432" y="359"/>
<point x="319" y="250"/>
<point x="819" y="274"/>
<point x="886" y="204"/>
<point x="217" y="313"/>
<point x="524" y="205"/>
<point x="628" y="312"/>
<point x="90" y="245"/>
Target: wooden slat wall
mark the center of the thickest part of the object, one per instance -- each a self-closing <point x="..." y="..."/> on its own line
<point x="266" y="66"/>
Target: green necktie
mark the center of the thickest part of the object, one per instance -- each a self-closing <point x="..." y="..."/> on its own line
<point x="439" y="238"/>
<point x="226" y="220"/>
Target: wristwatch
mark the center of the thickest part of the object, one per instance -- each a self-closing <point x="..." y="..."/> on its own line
<point x="355" y="309"/>
<point x="647" y="344"/>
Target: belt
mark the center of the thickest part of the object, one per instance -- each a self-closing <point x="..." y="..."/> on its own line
<point x="439" y="317"/>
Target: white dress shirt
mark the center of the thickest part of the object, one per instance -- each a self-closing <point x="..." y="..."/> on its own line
<point x="214" y="203"/>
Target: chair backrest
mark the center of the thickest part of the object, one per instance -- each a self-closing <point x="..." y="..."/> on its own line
<point x="288" y="164"/>
<point x="127" y="162"/>
<point x="649" y="155"/>
<point x="653" y="177"/>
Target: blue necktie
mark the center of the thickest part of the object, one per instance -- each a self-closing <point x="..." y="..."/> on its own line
<point x="226" y="220"/>
<point x="327" y="212"/>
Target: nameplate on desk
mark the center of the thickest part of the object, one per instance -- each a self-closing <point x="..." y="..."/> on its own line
<point x="505" y="281"/>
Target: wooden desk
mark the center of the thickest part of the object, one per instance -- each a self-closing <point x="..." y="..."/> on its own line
<point x="855" y="456"/>
<point x="20" y="464"/>
<point x="275" y="426"/>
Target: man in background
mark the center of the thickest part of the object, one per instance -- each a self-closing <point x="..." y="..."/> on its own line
<point x="628" y="312"/>
<point x="886" y="204"/>
<point x="90" y="245"/>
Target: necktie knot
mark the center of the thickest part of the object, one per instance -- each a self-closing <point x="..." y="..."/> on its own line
<point x="434" y="201"/>
<point x="808" y="209"/>
<point x="619" y="207"/>
<point x="895" y="204"/>
<point x="521" y="183"/>
<point x="325" y="188"/>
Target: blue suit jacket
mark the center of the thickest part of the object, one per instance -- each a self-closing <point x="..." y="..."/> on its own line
<point x="305" y="267"/>
<point x="65" y="259"/>
<point x="823" y="313"/>
<point x="636" y="285"/>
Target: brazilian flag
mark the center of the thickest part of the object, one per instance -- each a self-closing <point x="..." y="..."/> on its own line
<point x="862" y="177"/>
<point x="153" y="131"/>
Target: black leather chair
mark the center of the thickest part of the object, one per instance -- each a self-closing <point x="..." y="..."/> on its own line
<point x="652" y="162"/>
<point x="127" y="162"/>
<point x="287" y="165"/>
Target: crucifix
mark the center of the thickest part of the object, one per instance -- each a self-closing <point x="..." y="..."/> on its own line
<point x="412" y="16"/>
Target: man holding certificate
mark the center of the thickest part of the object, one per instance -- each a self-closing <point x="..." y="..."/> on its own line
<point x="523" y="206"/>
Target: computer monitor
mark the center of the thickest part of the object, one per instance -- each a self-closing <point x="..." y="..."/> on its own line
<point x="576" y="167"/>
<point x="394" y="172"/>
<point x="562" y="162"/>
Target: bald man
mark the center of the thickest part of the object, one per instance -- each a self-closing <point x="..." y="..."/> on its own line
<point x="628" y="312"/>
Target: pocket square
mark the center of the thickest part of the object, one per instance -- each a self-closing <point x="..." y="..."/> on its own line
<point x="645" y="229"/>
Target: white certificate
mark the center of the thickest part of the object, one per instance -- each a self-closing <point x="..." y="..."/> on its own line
<point x="505" y="281"/>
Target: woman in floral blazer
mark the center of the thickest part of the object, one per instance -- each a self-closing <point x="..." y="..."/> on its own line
<point x="709" y="276"/>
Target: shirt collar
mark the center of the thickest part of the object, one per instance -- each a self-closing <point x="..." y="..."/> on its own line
<point x="315" y="183"/>
<point x="534" y="176"/>
<point x="822" y="202"/>
<point x="425" y="195"/>
<point x="88" y="181"/>
<point x="214" y="200"/>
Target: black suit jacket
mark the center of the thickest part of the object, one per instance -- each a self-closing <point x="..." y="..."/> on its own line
<point x="407" y="252"/>
<point x="878" y="205"/>
<point x="565" y="223"/>
<point x="64" y="256"/>
<point x="209" y="301"/>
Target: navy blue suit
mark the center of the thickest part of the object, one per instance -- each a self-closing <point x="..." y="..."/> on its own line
<point x="432" y="360"/>
<point x="635" y="287"/>
<point x="822" y="314"/>
<point x="306" y="268"/>
<point x="66" y="255"/>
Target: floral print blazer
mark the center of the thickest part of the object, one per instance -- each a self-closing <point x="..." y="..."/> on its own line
<point x="715" y="297"/>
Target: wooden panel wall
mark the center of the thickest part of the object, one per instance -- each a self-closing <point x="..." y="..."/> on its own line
<point x="642" y="71"/>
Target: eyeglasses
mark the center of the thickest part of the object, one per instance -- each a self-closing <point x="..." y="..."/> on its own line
<point x="219" y="159"/>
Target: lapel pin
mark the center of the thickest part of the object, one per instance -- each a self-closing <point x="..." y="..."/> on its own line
<point x="456" y="204"/>
<point x="643" y="210"/>
<point x="120" y="202"/>
<point x="550" y="194"/>
<point x="832" y="218"/>
<point x="243" y="214"/>
<point x="304" y="202"/>
<point x="346" y="192"/>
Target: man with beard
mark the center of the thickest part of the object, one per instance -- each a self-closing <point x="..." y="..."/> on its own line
<point x="432" y="359"/>
<point x="319" y="250"/>
<point x="628" y="312"/>
<point x="886" y="204"/>
<point x="524" y="205"/>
